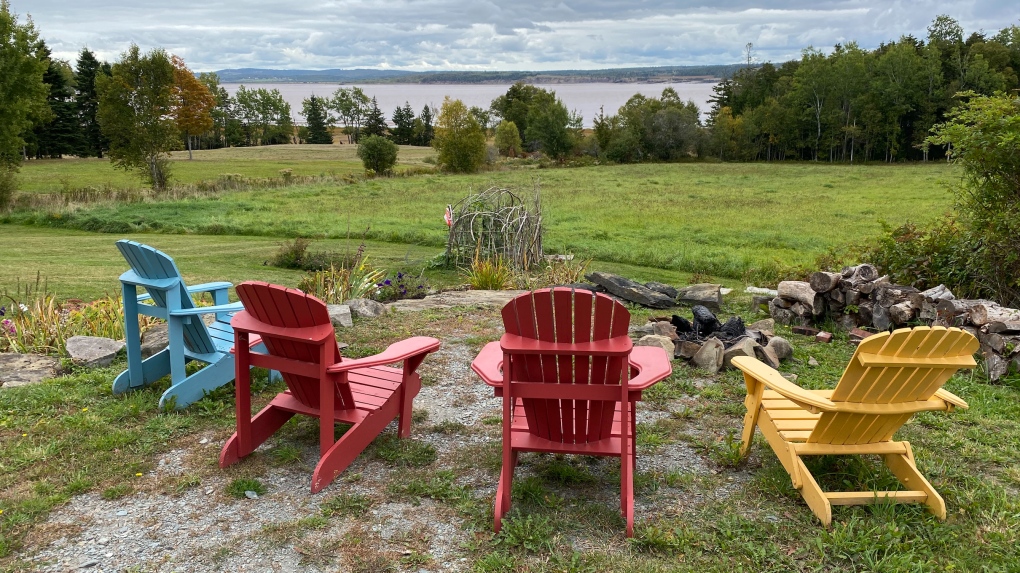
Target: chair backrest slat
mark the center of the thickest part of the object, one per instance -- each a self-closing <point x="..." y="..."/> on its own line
<point x="920" y="361"/>
<point x="153" y="264"/>
<point x="567" y="316"/>
<point x="290" y="308"/>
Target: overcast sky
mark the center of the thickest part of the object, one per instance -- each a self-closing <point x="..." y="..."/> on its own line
<point x="424" y="35"/>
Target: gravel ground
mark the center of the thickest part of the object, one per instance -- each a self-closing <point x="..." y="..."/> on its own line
<point x="201" y="528"/>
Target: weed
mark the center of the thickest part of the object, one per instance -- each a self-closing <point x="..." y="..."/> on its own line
<point x="448" y="427"/>
<point x="440" y="486"/>
<point x="346" y="504"/>
<point x="239" y="486"/>
<point x="496" y="562"/>
<point x="285" y="454"/>
<point x="116" y="492"/>
<point x="490" y="274"/>
<point x="531" y="533"/>
<point x="403" y="452"/>
<point x="727" y="450"/>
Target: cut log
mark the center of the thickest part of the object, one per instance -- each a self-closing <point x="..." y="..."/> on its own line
<point x="852" y="297"/>
<point x="863" y="273"/>
<point x="779" y="314"/>
<point x="940" y="292"/>
<point x="957" y="311"/>
<point x="868" y="288"/>
<point x="928" y="312"/>
<point x="823" y="281"/>
<point x="982" y="314"/>
<point x="847" y="321"/>
<point x="892" y="294"/>
<point x="999" y="327"/>
<point x="782" y="302"/>
<point x="801" y="310"/>
<point x="866" y="310"/>
<point x="799" y="291"/>
<point x="902" y="313"/>
<point x="838" y="295"/>
<point x="880" y="318"/>
<point x="819" y="306"/>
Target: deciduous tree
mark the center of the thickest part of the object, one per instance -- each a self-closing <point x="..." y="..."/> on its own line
<point x="508" y="139"/>
<point x="459" y="139"/>
<point x="136" y="113"/>
<point x="193" y="103"/>
<point x="350" y="104"/>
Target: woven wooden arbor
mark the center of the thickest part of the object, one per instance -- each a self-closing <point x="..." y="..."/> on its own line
<point x="497" y="223"/>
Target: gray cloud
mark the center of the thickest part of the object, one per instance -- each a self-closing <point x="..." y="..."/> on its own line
<point x="487" y="35"/>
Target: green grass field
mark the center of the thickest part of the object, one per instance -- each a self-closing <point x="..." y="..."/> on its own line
<point x="54" y="175"/>
<point x="717" y="219"/>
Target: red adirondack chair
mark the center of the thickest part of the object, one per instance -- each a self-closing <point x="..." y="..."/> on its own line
<point x="301" y="345"/>
<point x="568" y="375"/>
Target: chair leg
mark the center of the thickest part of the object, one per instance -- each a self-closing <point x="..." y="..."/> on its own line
<point x="753" y="404"/>
<point x="196" y="386"/>
<point x="812" y="493"/>
<point x="151" y="369"/>
<point x="409" y="388"/>
<point x="506" y="478"/>
<point x="340" y="455"/>
<point x="263" y="425"/>
<point x="902" y="466"/>
<point x="627" y="495"/>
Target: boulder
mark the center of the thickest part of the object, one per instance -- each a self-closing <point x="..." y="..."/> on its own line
<point x="366" y="307"/>
<point x="781" y="347"/>
<point x="631" y="291"/>
<point x="661" y="341"/>
<point x="93" y="351"/>
<point x="663" y="288"/>
<point x="710" y="356"/>
<point x="155" y="339"/>
<point x="705" y="294"/>
<point x="664" y="329"/>
<point x="686" y="350"/>
<point x="646" y="328"/>
<point x="742" y="347"/>
<point x="340" y="315"/>
<point x="781" y="315"/>
<point x="766" y="326"/>
<point x="23" y="369"/>
<point x="767" y="355"/>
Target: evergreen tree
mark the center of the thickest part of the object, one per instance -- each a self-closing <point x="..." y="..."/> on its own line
<point x="423" y="129"/>
<point x="91" y="141"/>
<point x="403" y="125"/>
<point x="59" y="135"/>
<point x="375" y="121"/>
<point x="320" y="124"/>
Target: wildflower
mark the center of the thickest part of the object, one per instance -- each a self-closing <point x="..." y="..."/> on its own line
<point x="8" y="326"/>
<point x="23" y="307"/>
<point x="139" y="474"/>
<point x="24" y="435"/>
<point x="3" y="309"/>
<point x="387" y="282"/>
<point x="85" y="409"/>
<point x="400" y="275"/>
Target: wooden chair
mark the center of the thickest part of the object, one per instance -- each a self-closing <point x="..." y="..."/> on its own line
<point x="570" y="378"/>
<point x="189" y="337"/>
<point x="300" y="343"/>
<point x="889" y="378"/>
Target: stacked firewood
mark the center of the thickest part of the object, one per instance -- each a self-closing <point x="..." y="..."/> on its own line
<point x="858" y="298"/>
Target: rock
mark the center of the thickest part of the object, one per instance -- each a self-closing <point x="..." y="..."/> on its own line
<point x="646" y="328"/>
<point x="781" y="315"/>
<point x="781" y="347"/>
<point x="742" y="347"/>
<point x="686" y="350"/>
<point x="782" y="302"/>
<point x="847" y="321"/>
<point x="662" y="342"/>
<point x="251" y="494"/>
<point x="760" y="303"/>
<point x="93" y="351"/>
<point x="823" y="337"/>
<point x="766" y="326"/>
<point x="630" y="290"/>
<point x="665" y="289"/>
<point x="790" y="376"/>
<point x="710" y="357"/>
<point x="805" y="330"/>
<point x="811" y="361"/>
<point x="725" y="291"/>
<point x="880" y="318"/>
<point x="767" y="355"/>
<point x="705" y="294"/>
<point x="664" y="329"/>
<point x="23" y="369"/>
<point x="340" y="315"/>
<point x="366" y="307"/>
<point x="581" y="286"/>
<point x="155" y="339"/>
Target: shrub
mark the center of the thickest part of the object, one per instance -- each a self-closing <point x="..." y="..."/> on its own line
<point x="338" y="284"/>
<point x="377" y="153"/>
<point x="924" y="257"/>
<point x="490" y="274"/>
<point x="295" y="255"/>
<point x="508" y="139"/>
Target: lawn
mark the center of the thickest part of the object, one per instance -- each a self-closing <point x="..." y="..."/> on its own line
<point x="716" y="219"/>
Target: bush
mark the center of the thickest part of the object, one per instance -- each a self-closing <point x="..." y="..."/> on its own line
<point x="924" y="257"/>
<point x="295" y="255"/>
<point x="377" y="153"/>
<point x="490" y="274"/>
<point x="338" y="284"/>
<point x="508" y="139"/>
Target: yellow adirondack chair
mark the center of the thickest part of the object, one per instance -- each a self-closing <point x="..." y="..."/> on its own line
<point x="889" y="378"/>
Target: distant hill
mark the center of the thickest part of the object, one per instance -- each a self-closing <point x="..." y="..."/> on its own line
<point x="613" y="75"/>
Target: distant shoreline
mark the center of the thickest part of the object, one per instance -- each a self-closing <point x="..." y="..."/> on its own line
<point x="535" y="80"/>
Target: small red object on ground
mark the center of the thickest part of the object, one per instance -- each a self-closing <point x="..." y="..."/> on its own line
<point x="825" y="337"/>
<point x="805" y="330"/>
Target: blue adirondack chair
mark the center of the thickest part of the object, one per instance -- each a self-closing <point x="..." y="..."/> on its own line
<point x="189" y="337"/>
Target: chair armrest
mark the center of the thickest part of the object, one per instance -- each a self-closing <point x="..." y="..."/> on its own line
<point x="396" y="352"/>
<point x="244" y="322"/>
<point x="616" y="346"/>
<point x="652" y="365"/>
<point x="207" y="287"/>
<point x="774" y="380"/>
<point x="488" y="364"/>
<point x="232" y="307"/>
<point x="951" y="398"/>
